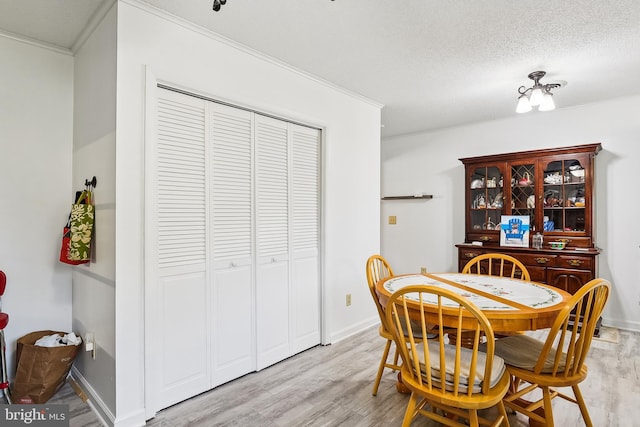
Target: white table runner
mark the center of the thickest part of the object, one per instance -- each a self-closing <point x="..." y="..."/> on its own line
<point x="526" y="293"/>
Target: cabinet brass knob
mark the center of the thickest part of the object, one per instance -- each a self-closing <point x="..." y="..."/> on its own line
<point x="469" y="255"/>
<point x="575" y="262"/>
<point x="485" y="238"/>
<point x="542" y="260"/>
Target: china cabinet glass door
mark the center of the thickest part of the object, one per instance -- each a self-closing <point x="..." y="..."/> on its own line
<point x="564" y="197"/>
<point x="523" y="191"/>
<point x="486" y="198"/>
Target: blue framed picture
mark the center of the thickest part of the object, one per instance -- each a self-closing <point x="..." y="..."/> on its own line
<point x="514" y="230"/>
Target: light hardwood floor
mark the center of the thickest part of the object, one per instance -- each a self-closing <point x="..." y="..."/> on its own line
<point x="331" y="386"/>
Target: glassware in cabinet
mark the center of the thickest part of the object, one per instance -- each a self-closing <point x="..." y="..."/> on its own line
<point x="486" y="198"/>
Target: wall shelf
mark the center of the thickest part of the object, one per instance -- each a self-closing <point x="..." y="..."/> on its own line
<point x="424" y="196"/>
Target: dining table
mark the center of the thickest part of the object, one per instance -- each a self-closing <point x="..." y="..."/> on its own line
<point x="511" y="305"/>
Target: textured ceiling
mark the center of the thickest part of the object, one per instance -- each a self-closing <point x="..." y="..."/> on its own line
<point x="432" y="63"/>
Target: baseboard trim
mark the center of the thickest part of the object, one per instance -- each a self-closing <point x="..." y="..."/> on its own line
<point x="95" y="402"/>
<point x="134" y="419"/>
<point x="622" y="324"/>
<point x="354" y="329"/>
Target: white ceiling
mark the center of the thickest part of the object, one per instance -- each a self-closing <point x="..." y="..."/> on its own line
<point x="432" y="63"/>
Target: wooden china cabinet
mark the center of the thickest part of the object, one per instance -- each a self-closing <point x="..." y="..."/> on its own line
<point x="553" y="188"/>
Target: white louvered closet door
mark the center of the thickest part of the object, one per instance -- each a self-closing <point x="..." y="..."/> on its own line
<point x="233" y="264"/>
<point x="177" y="286"/>
<point x="287" y="199"/>
<point x="305" y="294"/>
<point x="272" y="240"/>
<point x="231" y="212"/>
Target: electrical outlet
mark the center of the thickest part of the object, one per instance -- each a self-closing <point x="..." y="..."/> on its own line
<point x="90" y="344"/>
<point x="88" y="341"/>
<point x="392" y="219"/>
<point x="348" y="300"/>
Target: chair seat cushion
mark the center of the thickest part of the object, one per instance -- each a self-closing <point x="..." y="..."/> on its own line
<point x="416" y="329"/>
<point x="523" y="351"/>
<point x="497" y="368"/>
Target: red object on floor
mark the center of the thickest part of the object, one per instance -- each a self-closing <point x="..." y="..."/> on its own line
<point x="4" y="321"/>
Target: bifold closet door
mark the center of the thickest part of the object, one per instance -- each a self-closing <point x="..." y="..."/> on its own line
<point x="233" y="263"/>
<point x="231" y="212"/>
<point x="304" y="299"/>
<point x="287" y="239"/>
<point x="272" y="240"/>
<point x="176" y="286"/>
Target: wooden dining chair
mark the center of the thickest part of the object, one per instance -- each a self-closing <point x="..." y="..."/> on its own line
<point x="497" y="264"/>
<point x="559" y="361"/>
<point x="447" y="382"/>
<point x="377" y="269"/>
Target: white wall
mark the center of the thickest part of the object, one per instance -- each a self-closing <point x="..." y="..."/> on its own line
<point x="94" y="151"/>
<point x="182" y="55"/>
<point x="36" y="102"/>
<point x="428" y="162"/>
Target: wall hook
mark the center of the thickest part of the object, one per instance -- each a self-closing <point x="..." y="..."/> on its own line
<point x="92" y="183"/>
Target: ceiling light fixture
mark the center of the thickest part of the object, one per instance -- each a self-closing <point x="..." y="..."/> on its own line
<point x="217" y="4"/>
<point x="539" y="95"/>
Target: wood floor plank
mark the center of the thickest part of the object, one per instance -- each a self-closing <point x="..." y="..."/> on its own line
<point x="330" y="386"/>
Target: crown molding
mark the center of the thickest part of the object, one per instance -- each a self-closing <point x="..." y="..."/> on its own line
<point x="36" y="42"/>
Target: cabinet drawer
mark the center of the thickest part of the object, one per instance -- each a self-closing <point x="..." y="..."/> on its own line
<point x="572" y="261"/>
<point x="484" y="237"/>
<point x="541" y="260"/>
<point x="466" y="254"/>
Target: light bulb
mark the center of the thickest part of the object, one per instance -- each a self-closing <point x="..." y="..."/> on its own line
<point x="536" y="96"/>
<point x="523" y="104"/>
<point x="547" y="103"/>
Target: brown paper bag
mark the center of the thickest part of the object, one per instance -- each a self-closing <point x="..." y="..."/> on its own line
<point x="41" y="371"/>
